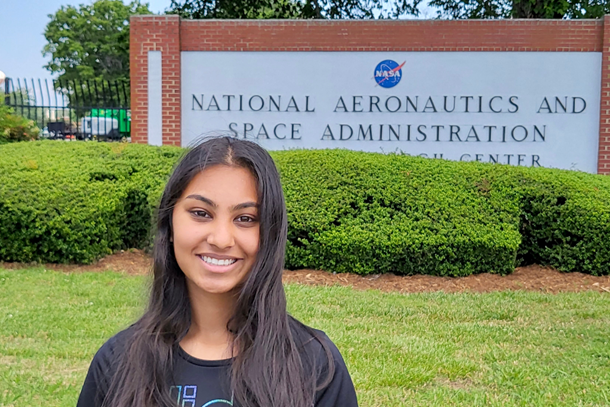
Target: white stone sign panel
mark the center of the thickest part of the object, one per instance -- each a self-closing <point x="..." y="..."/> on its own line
<point x="519" y="108"/>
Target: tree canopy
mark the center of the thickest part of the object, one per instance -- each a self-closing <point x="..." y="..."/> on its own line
<point x="460" y="9"/>
<point x="329" y="9"/>
<point x="91" y="42"/>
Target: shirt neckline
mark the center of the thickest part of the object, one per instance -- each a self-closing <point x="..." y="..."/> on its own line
<point x="202" y="362"/>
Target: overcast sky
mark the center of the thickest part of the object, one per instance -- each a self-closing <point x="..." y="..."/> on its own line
<point x="22" y="24"/>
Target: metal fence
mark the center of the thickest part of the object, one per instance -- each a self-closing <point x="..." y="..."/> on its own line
<point x="72" y="110"/>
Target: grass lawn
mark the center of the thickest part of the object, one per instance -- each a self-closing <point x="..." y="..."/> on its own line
<point x="498" y="349"/>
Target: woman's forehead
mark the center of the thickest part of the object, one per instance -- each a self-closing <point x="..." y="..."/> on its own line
<point x="224" y="185"/>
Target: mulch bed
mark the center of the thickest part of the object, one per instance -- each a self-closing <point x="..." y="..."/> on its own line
<point x="531" y="278"/>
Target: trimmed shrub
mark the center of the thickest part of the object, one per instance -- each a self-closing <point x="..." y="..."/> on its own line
<point x="565" y="220"/>
<point x="75" y="202"/>
<point x="373" y="213"/>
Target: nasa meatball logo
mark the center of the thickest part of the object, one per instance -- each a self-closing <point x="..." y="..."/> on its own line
<point x="388" y="73"/>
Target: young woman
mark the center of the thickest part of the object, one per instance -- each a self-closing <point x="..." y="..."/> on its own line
<point x="216" y="331"/>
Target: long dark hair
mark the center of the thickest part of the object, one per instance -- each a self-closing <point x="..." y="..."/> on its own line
<point x="268" y="369"/>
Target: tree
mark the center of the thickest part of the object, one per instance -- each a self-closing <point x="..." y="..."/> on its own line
<point x="91" y="42"/>
<point x="199" y="9"/>
<point x="334" y="9"/>
<point x="521" y="8"/>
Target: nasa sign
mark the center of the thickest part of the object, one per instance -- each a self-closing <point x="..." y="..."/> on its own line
<point x="519" y="92"/>
<point x="520" y="108"/>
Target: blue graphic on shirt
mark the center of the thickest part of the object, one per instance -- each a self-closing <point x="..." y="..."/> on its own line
<point x="218" y="401"/>
<point x="186" y="397"/>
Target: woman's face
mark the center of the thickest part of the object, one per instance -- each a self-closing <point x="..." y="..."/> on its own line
<point x="216" y="229"/>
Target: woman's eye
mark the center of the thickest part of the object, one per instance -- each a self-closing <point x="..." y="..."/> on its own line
<point x="246" y="219"/>
<point x="200" y="214"/>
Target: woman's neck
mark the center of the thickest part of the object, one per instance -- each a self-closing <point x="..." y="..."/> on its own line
<point x="208" y="337"/>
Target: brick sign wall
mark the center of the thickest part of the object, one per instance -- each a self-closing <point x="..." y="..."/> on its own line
<point x="157" y="43"/>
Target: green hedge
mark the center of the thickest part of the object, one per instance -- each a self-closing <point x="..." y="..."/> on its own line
<point x="348" y="211"/>
<point x="372" y="213"/>
<point x="75" y="202"/>
<point x="565" y="220"/>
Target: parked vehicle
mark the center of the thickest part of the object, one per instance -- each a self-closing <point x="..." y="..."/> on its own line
<point x="60" y="130"/>
<point x="99" y="128"/>
<point x="122" y="115"/>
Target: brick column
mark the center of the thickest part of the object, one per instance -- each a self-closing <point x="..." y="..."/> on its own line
<point x="603" y="160"/>
<point x="155" y="33"/>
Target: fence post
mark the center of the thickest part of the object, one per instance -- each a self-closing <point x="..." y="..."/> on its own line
<point x="7" y="97"/>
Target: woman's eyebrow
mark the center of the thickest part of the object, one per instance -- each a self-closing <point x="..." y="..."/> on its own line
<point x="213" y="204"/>
<point x="245" y="205"/>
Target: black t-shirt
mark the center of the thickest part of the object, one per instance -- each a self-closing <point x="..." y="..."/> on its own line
<point x="206" y="383"/>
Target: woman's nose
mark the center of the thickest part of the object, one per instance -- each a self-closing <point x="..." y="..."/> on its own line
<point x="221" y="235"/>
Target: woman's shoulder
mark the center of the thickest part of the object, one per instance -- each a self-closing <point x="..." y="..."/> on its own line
<point x="114" y="347"/>
<point x="334" y="384"/>
<point x="102" y="369"/>
<point x="314" y="344"/>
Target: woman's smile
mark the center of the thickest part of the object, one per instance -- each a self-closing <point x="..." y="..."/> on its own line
<point x="216" y="265"/>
